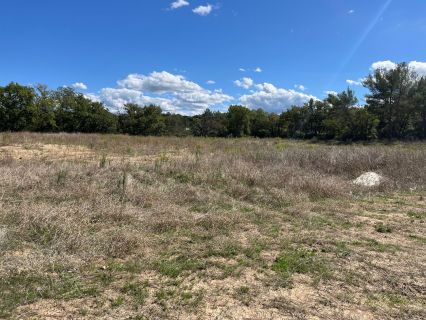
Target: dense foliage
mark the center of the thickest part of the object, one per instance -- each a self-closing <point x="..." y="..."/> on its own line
<point x="395" y="109"/>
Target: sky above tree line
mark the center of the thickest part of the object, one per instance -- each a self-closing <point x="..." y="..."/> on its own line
<point x="189" y="55"/>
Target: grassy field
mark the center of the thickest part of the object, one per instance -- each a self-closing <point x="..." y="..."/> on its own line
<point x="117" y="227"/>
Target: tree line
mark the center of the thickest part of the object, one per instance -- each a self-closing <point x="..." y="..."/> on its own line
<point x="395" y="109"/>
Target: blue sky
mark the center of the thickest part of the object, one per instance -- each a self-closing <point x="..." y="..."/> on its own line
<point x="187" y="55"/>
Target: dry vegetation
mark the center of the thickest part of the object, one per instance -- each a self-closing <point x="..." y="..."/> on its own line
<point x="116" y="227"/>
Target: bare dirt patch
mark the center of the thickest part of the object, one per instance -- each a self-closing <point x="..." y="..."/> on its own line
<point x="70" y="153"/>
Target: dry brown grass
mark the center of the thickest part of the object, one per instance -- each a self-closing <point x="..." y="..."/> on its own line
<point x="117" y="227"/>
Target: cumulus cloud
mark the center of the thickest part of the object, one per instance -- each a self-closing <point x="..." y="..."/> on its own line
<point x="242" y="69"/>
<point x="93" y="97"/>
<point x="211" y="82"/>
<point x="172" y="92"/>
<point x="116" y="98"/>
<point x="300" y="87"/>
<point x="417" y="66"/>
<point x="245" y="83"/>
<point x="258" y="69"/>
<point x="158" y="82"/>
<point x="332" y="93"/>
<point x="178" y="4"/>
<point x="203" y="10"/>
<point x="383" y="65"/>
<point x="354" y="82"/>
<point x="273" y="99"/>
<point x="79" y="85"/>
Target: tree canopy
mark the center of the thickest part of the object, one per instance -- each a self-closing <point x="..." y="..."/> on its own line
<point x="395" y="109"/>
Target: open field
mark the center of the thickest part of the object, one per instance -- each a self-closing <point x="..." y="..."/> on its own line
<point x="117" y="227"/>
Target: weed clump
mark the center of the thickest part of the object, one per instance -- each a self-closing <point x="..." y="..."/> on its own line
<point x="300" y="261"/>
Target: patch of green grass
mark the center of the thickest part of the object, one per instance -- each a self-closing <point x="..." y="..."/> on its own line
<point x="377" y="246"/>
<point x="228" y="270"/>
<point x="243" y="295"/>
<point x="352" y="278"/>
<point x="173" y="268"/>
<point x="117" y="302"/>
<point x="418" y="238"/>
<point x="130" y="151"/>
<point x="416" y="215"/>
<point x="296" y="260"/>
<point x="183" y="177"/>
<point x="133" y="266"/>
<point x="191" y="299"/>
<point x="383" y="228"/>
<point x="103" y="161"/>
<point x="227" y="250"/>
<point x="138" y="317"/>
<point x="162" y="296"/>
<point x="61" y="177"/>
<point x="105" y="277"/>
<point x="392" y="299"/>
<point x="42" y="234"/>
<point x="199" y="208"/>
<point x="342" y="250"/>
<point x="186" y="296"/>
<point x="254" y="250"/>
<point x="247" y="209"/>
<point x="316" y="222"/>
<point x="137" y="290"/>
<point x="24" y="288"/>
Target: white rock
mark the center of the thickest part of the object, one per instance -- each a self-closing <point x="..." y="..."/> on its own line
<point x="368" y="179"/>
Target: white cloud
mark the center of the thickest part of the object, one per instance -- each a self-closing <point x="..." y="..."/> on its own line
<point x="333" y="93"/>
<point x="245" y="83"/>
<point x="211" y="82"/>
<point x="79" y="85"/>
<point x="203" y="10"/>
<point x="258" y="70"/>
<point x="93" y="97"/>
<point x="300" y="87"/>
<point x="172" y="92"/>
<point x="158" y="82"/>
<point x="383" y="65"/>
<point x="274" y="99"/>
<point x="354" y="82"/>
<point x="178" y="4"/>
<point x="196" y="102"/>
<point x="352" y="11"/>
<point x="116" y="98"/>
<point x="417" y="66"/>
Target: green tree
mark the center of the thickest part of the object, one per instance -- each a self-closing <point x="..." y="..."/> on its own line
<point x="210" y="124"/>
<point x="76" y="113"/>
<point x="44" y="118"/>
<point x="419" y="102"/>
<point x="261" y="124"/>
<point x="17" y="107"/>
<point x="292" y="123"/>
<point x="389" y="100"/>
<point x="238" y="121"/>
<point x="363" y="125"/>
<point x="177" y="125"/>
<point x="338" y="123"/>
<point x="147" y="121"/>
